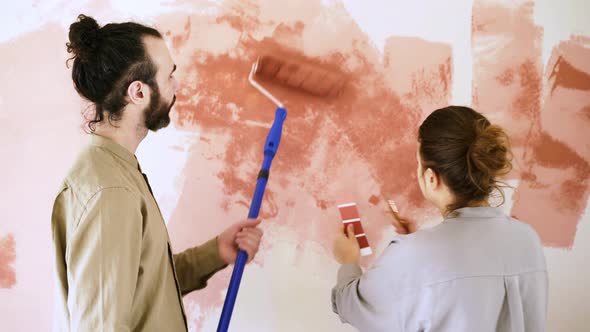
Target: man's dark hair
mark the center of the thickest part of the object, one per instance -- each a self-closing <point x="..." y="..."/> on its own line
<point x="106" y="61"/>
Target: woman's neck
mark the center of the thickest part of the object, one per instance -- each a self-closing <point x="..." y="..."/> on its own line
<point x="444" y="210"/>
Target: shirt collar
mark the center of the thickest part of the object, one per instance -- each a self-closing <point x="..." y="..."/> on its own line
<point x="476" y="213"/>
<point x="114" y="148"/>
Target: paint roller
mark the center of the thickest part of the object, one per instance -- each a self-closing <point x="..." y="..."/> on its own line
<point x="299" y="73"/>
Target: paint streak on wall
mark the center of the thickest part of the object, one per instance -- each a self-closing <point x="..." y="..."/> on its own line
<point x="427" y="64"/>
<point x="556" y="185"/>
<point x="42" y="135"/>
<point x="553" y="188"/>
<point x="7" y="257"/>
<point x="567" y="99"/>
<point x="506" y="67"/>
<point x="355" y="146"/>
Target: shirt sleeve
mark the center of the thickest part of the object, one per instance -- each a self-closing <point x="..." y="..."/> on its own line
<point x="348" y="299"/>
<point x="103" y="259"/>
<point x="361" y="299"/>
<point x="196" y="265"/>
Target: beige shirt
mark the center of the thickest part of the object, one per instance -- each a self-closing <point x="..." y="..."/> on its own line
<point x="115" y="268"/>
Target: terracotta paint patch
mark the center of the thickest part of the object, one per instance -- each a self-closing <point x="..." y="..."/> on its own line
<point x="567" y="99"/>
<point x="427" y="64"/>
<point x="374" y="200"/>
<point x="568" y="76"/>
<point x="559" y="177"/>
<point x="508" y="83"/>
<point x="553" y="195"/>
<point x="368" y="120"/>
<point x="44" y="131"/>
<point x="180" y="40"/>
<point x="506" y="65"/>
<point x="7" y="257"/>
<point x="330" y="146"/>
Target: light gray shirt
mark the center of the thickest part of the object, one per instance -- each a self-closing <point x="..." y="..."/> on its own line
<point x="479" y="270"/>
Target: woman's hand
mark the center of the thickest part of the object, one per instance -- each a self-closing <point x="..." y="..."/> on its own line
<point x="403" y="225"/>
<point x="346" y="248"/>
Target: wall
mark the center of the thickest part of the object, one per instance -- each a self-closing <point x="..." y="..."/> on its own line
<point x="522" y="63"/>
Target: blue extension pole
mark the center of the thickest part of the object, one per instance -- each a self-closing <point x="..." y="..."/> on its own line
<point x="270" y="149"/>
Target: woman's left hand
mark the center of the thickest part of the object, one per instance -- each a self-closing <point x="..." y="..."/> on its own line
<point x="346" y="248"/>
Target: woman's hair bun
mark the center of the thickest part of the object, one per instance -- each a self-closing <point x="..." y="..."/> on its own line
<point x="489" y="152"/>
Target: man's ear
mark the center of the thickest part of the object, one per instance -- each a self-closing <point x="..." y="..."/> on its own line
<point x="137" y="92"/>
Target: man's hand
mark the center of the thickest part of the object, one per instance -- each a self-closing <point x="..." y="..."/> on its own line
<point x="346" y="248"/>
<point x="243" y="235"/>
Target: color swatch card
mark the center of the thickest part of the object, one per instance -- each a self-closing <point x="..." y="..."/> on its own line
<point x="350" y="215"/>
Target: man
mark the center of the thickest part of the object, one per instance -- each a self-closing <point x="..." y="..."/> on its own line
<point x="115" y="267"/>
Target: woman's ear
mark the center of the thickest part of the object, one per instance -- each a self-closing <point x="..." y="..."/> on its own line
<point x="431" y="178"/>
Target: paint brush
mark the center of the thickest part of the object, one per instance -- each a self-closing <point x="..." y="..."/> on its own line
<point x="400" y="225"/>
<point x="394" y="209"/>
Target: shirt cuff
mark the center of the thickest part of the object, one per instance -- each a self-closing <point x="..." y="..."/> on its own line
<point x="348" y="272"/>
<point x="211" y="256"/>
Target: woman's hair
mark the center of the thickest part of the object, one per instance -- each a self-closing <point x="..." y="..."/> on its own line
<point x="106" y="61"/>
<point x="467" y="152"/>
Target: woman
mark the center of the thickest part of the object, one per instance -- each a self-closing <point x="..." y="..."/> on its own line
<point x="479" y="270"/>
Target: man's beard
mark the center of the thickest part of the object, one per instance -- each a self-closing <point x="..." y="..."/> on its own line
<point x="157" y="113"/>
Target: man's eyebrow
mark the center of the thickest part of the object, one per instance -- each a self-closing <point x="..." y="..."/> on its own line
<point x="173" y="70"/>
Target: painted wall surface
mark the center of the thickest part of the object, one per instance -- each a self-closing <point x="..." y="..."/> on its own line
<point x="524" y="64"/>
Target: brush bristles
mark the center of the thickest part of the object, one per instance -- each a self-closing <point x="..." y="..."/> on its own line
<point x="310" y="78"/>
<point x="392" y="205"/>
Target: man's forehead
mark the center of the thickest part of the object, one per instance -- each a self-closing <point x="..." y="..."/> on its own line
<point x="158" y="51"/>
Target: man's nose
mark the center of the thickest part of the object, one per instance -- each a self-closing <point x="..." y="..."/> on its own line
<point x="176" y="85"/>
